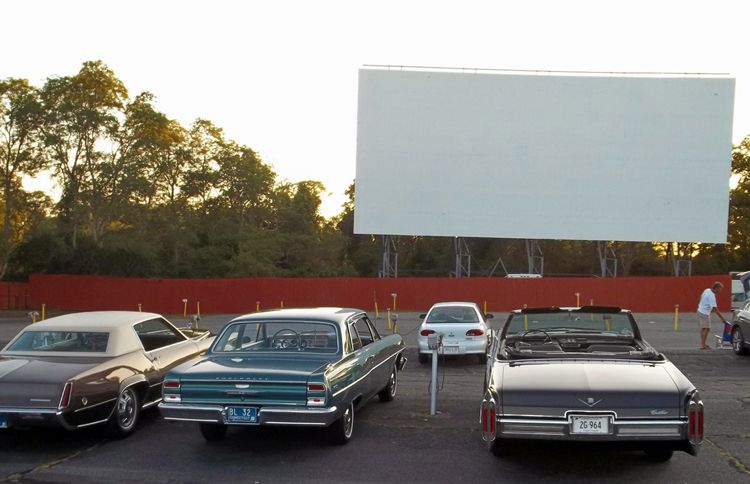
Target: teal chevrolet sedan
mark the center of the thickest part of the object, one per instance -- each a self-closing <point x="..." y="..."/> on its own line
<point x="293" y="367"/>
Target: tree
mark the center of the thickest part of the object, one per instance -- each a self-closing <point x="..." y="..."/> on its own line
<point x="81" y="119"/>
<point x="20" y="122"/>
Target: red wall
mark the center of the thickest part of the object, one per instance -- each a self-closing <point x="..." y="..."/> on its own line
<point x="641" y="294"/>
<point x="14" y="295"/>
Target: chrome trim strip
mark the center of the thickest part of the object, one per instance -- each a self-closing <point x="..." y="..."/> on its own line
<point x="394" y="355"/>
<point x="218" y="409"/>
<point x="250" y="382"/>
<point x="303" y="411"/>
<point x="625" y="423"/>
<point x="306" y="424"/>
<point x="150" y="404"/>
<point x="41" y="411"/>
<point x="180" y="419"/>
<point x="94" y="405"/>
<point x="91" y="423"/>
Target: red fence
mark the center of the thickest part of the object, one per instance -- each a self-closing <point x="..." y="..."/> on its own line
<point x="14" y="295"/>
<point x="641" y="294"/>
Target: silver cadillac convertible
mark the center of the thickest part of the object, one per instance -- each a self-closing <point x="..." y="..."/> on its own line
<point x="586" y="374"/>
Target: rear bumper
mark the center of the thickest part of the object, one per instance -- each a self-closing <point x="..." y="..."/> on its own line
<point x="303" y="416"/>
<point x="464" y="347"/>
<point x="33" y="417"/>
<point x="620" y="430"/>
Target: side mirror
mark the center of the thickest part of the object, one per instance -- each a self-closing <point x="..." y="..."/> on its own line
<point x="489" y="316"/>
<point x="422" y="316"/>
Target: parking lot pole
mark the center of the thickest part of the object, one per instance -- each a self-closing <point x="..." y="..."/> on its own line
<point x="433" y="385"/>
<point x="676" y="316"/>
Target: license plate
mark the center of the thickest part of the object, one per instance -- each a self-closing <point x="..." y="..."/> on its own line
<point x="589" y="425"/>
<point x="3" y="422"/>
<point x="242" y="415"/>
<point x="450" y="350"/>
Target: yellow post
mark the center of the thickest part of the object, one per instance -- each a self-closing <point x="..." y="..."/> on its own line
<point x="592" y="314"/>
<point x="676" y="317"/>
<point x="389" y="319"/>
<point x="198" y="308"/>
<point x="184" y="308"/>
<point x="139" y="308"/>
<point x="393" y="295"/>
<point x="43" y="308"/>
<point x="578" y="299"/>
<point x="377" y="314"/>
<point x="282" y="304"/>
<point x="485" y="307"/>
<point x="525" y="320"/>
<point x="33" y="317"/>
<point x="257" y="306"/>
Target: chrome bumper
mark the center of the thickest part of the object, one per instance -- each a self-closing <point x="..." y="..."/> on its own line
<point x="312" y="417"/>
<point x="620" y="430"/>
<point x="34" y="417"/>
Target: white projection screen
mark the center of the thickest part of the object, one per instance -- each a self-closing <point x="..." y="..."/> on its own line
<point x="480" y="154"/>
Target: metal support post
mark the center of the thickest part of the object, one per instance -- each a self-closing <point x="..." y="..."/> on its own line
<point x="463" y="257"/>
<point x="607" y="259"/>
<point x="390" y="258"/>
<point x="535" y="257"/>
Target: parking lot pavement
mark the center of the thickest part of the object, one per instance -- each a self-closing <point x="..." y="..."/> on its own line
<point x="399" y="441"/>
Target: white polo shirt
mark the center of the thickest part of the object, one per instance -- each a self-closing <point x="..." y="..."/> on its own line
<point x="707" y="302"/>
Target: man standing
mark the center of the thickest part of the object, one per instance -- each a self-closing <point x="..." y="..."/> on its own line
<point x="706" y="306"/>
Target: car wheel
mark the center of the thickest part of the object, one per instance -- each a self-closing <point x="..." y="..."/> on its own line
<point x="424" y="358"/>
<point x="738" y="341"/>
<point x="340" y="431"/>
<point x="389" y="392"/>
<point x="213" y="432"/>
<point x="658" y="454"/>
<point x="125" y="416"/>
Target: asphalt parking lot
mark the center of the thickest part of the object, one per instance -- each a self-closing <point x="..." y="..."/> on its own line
<point x="398" y="441"/>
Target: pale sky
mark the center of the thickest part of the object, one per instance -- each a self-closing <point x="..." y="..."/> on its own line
<point x="281" y="76"/>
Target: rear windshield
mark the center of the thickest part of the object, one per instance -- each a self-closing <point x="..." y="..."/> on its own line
<point x="278" y="336"/>
<point x="570" y="322"/>
<point x="453" y="314"/>
<point x="65" y="341"/>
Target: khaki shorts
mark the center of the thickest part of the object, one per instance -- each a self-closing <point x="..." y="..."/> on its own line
<point x="704" y="320"/>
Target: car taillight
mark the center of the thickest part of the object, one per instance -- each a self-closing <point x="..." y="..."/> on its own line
<point x="316" y="395"/>
<point x="65" y="398"/>
<point x="474" y="332"/>
<point x="426" y="332"/>
<point x="695" y="422"/>
<point x="489" y="419"/>
<point x="172" y="384"/>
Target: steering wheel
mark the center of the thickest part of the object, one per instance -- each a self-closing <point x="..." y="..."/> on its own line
<point x="286" y="338"/>
<point x="547" y="339"/>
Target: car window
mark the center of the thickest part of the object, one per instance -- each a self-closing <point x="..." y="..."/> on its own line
<point x="373" y="329"/>
<point x="66" y="341"/>
<point x="157" y="333"/>
<point x="453" y="314"/>
<point x="363" y="331"/>
<point x="354" y="341"/>
<point x="570" y="322"/>
<point x="282" y="336"/>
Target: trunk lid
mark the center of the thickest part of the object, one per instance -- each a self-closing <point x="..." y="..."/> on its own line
<point x="630" y="389"/>
<point x="246" y="380"/>
<point x="38" y="382"/>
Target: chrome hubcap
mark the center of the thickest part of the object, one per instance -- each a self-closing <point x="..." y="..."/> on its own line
<point x="126" y="409"/>
<point x="393" y="383"/>
<point x="348" y="421"/>
<point x="736" y="340"/>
